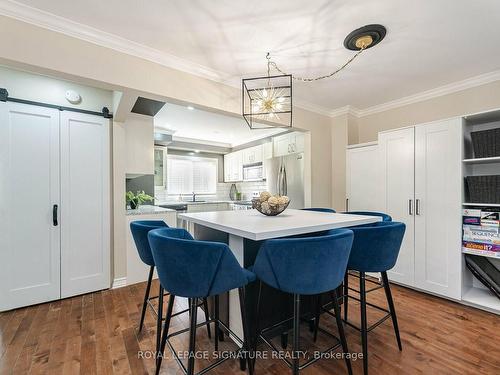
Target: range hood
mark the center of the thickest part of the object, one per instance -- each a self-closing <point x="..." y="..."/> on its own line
<point x="162" y="139"/>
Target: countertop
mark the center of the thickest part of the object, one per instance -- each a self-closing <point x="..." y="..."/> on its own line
<point x="148" y="210"/>
<point x="204" y="202"/>
<point x="253" y="225"/>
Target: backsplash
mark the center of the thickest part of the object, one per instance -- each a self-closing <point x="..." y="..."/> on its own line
<point x="246" y="189"/>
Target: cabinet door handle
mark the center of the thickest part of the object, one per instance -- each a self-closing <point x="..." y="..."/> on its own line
<point x="54" y="215"/>
<point x="347" y="204"/>
<point x="417" y="206"/>
<point x="410" y="207"/>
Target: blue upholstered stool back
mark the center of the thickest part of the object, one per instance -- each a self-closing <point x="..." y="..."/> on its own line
<point x="376" y="246"/>
<point x="307" y="265"/>
<point x="195" y="269"/>
<point x="320" y="209"/>
<point x="140" y="229"/>
<point x="384" y="217"/>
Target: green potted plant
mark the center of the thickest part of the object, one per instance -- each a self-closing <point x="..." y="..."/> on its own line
<point x="135" y="200"/>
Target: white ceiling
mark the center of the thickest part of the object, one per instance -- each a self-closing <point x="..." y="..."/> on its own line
<point x="207" y="127"/>
<point x="430" y="43"/>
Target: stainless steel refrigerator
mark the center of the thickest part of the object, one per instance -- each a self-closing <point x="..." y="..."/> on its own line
<point x="285" y="176"/>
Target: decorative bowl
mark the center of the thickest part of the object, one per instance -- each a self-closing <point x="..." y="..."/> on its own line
<point x="269" y="210"/>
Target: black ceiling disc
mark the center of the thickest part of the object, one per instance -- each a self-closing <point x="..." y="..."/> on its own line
<point x="377" y="32"/>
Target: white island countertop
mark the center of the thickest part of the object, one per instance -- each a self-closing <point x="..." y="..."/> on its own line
<point x="255" y="226"/>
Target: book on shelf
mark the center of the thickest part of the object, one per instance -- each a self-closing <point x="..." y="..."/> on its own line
<point x="478" y="233"/>
<point x="473" y="216"/>
<point x="480" y="246"/>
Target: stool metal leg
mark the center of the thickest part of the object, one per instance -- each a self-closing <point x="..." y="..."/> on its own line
<point x="166" y="327"/>
<point x="364" y="327"/>
<point x="340" y="327"/>
<point x="346" y="293"/>
<point x="246" y="336"/>
<point x="296" y="333"/>
<point x="390" y="302"/>
<point x="257" y="327"/>
<point x="317" y="313"/>
<point x="159" y="319"/>
<point x="217" y="329"/>
<point x="192" y="335"/>
<point x="207" y="318"/>
<point x="146" y="297"/>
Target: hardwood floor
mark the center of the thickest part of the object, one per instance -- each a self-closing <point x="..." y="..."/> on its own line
<point x="97" y="334"/>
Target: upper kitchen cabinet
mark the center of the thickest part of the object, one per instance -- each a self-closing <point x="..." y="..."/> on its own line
<point x="139" y="141"/>
<point x="233" y="166"/>
<point x="252" y="155"/>
<point x="289" y="143"/>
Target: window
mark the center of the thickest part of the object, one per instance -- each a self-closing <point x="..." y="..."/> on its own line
<point x="191" y="174"/>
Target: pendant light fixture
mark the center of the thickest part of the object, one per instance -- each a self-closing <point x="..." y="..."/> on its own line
<point x="267" y="101"/>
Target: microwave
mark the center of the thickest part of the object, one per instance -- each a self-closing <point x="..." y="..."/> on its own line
<point x="253" y="172"/>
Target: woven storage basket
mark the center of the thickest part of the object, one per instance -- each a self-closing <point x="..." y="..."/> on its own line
<point x="486" y="143"/>
<point x="484" y="189"/>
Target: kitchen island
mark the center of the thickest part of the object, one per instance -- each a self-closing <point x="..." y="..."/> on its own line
<point x="244" y="232"/>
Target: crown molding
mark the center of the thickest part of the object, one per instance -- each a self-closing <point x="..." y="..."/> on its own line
<point x="308" y="106"/>
<point x="37" y="17"/>
<point x="77" y="30"/>
<point x="451" y="88"/>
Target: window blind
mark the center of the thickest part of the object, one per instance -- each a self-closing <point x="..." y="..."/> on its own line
<point x="191" y="174"/>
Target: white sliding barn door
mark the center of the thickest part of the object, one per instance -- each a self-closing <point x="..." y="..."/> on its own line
<point x="85" y="203"/>
<point x="29" y="189"/>
<point x="397" y="185"/>
<point x="438" y="207"/>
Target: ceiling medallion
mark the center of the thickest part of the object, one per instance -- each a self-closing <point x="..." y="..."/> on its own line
<point x="267" y="100"/>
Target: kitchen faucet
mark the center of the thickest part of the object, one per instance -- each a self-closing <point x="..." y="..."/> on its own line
<point x="194" y="197"/>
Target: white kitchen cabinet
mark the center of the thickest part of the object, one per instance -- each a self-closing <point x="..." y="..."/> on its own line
<point x="252" y="155"/>
<point x="233" y="166"/>
<point x="139" y="143"/>
<point x="397" y="199"/>
<point x="438" y="220"/>
<point x="421" y="185"/>
<point x="267" y="150"/>
<point x="362" y="178"/>
<point x="57" y="235"/>
<point x="289" y="143"/>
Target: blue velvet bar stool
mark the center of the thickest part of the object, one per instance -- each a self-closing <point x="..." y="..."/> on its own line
<point x="385" y="217"/>
<point x="304" y="266"/>
<point x="375" y="249"/>
<point x="140" y="230"/>
<point x="320" y="209"/>
<point x="195" y="270"/>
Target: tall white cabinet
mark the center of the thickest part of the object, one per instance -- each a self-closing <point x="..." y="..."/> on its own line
<point x="362" y="178"/>
<point x="55" y="205"/>
<point x="397" y="164"/>
<point x="421" y="186"/>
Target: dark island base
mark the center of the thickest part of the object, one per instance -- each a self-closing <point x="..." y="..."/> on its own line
<point x="276" y="306"/>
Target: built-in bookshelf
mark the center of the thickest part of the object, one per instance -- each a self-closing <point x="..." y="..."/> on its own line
<point x="473" y="292"/>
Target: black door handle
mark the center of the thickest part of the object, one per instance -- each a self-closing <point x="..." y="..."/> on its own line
<point x="54" y="215"/>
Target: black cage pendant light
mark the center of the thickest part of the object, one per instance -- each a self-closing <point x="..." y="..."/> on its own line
<point x="267" y="101"/>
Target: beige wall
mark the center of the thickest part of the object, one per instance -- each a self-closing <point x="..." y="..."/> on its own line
<point x="476" y="99"/>
<point x="339" y="139"/>
<point x="39" y="88"/>
<point x="348" y="129"/>
<point x="44" y="51"/>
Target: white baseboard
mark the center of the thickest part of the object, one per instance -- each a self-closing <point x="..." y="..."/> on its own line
<point x="119" y="282"/>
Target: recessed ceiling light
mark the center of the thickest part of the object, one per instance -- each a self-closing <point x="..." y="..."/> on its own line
<point x="190" y="107"/>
